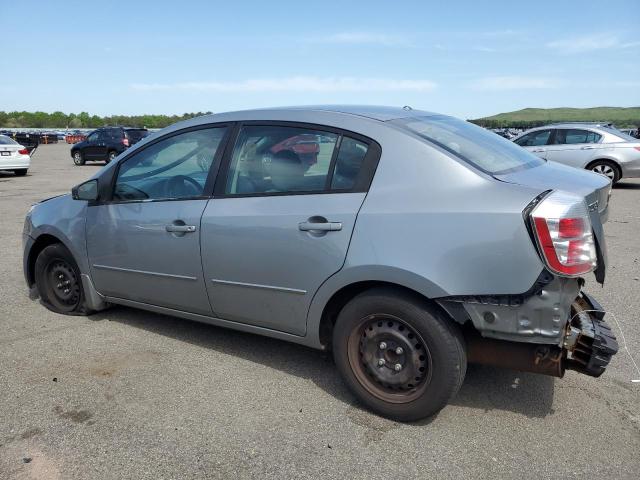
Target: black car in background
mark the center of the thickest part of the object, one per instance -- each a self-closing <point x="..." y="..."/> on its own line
<point x="106" y="143"/>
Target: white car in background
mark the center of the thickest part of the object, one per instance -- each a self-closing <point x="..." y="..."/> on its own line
<point x="597" y="147"/>
<point x="13" y="156"/>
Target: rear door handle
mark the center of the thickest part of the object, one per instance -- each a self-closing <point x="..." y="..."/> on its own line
<point x="538" y="150"/>
<point x="587" y="147"/>
<point x="320" y="227"/>
<point x="180" y="228"/>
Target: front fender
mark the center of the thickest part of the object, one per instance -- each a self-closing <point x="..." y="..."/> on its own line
<point x="65" y="219"/>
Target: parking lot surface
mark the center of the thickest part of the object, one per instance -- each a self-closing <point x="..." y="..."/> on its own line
<point x="132" y="394"/>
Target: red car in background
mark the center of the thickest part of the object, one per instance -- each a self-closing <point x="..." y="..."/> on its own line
<point x="306" y="146"/>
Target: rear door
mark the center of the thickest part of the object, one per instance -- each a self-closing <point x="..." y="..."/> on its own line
<point x="574" y="147"/>
<point x="536" y="142"/>
<point x="279" y="225"/>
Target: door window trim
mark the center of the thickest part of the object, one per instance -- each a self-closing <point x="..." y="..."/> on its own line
<point x="211" y="175"/>
<point x="361" y="185"/>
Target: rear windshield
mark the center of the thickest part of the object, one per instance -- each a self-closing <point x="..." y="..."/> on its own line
<point x="137" y="135"/>
<point x="4" y="140"/>
<point x="475" y="145"/>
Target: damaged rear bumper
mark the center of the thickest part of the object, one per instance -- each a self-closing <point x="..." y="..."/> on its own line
<point x="588" y="346"/>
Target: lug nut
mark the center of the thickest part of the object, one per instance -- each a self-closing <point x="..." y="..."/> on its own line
<point x="397" y="367"/>
<point x="381" y="362"/>
<point x="399" y="351"/>
<point x="383" y="345"/>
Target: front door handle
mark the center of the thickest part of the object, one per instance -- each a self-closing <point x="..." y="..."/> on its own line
<point x="320" y="227"/>
<point x="180" y="228"/>
<point x="587" y="147"/>
<point x="538" y="150"/>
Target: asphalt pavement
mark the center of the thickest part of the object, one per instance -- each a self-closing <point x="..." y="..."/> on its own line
<point x="131" y="394"/>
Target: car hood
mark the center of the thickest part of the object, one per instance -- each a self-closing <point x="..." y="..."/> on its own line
<point x="594" y="188"/>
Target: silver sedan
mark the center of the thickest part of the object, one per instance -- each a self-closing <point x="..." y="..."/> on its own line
<point x="597" y="147"/>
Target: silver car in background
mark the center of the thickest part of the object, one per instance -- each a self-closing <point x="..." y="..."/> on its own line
<point x="409" y="243"/>
<point x="597" y="147"/>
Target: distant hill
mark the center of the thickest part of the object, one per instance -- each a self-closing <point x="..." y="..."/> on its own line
<point x="530" y="117"/>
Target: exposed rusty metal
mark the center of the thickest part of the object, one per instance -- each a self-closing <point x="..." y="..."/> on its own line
<point x="543" y="359"/>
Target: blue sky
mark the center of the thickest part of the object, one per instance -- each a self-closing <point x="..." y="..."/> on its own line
<point x="462" y="58"/>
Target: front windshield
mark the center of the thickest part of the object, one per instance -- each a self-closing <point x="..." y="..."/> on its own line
<point x="475" y="145"/>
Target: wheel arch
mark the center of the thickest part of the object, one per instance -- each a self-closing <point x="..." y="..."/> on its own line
<point x="42" y="242"/>
<point x="342" y="287"/>
<point x="614" y="161"/>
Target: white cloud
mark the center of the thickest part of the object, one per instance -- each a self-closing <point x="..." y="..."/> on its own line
<point x="363" y="38"/>
<point x="589" y="43"/>
<point x="296" y="84"/>
<point x="515" y="82"/>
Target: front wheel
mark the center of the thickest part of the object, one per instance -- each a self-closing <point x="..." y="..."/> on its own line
<point x="399" y="355"/>
<point x="21" y="172"/>
<point x="606" y="168"/>
<point x="78" y="159"/>
<point x="58" y="281"/>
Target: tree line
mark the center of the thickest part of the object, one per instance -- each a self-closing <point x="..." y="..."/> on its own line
<point x="61" y="120"/>
<point x="526" y="124"/>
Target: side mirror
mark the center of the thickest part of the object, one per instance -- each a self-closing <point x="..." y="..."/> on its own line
<point x="86" y="191"/>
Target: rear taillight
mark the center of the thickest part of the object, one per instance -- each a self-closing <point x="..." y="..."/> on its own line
<point x="125" y="142"/>
<point x="23" y="151"/>
<point x="563" y="231"/>
<point x="637" y="148"/>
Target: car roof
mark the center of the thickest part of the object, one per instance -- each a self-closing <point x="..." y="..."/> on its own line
<point x="374" y="112"/>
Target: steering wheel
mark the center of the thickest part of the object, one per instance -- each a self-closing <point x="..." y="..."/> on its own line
<point x="175" y="187"/>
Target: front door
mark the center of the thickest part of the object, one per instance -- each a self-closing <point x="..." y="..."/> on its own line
<point x="91" y="150"/>
<point x="536" y="142"/>
<point x="144" y="245"/>
<point x="282" y="223"/>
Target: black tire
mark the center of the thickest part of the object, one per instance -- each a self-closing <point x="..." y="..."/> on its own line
<point x="111" y="155"/>
<point x="432" y="356"/>
<point x="21" y="172"/>
<point x="607" y="168"/>
<point x="78" y="158"/>
<point x="58" y="281"/>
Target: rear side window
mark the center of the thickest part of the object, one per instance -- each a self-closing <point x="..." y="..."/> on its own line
<point x="534" y="139"/>
<point x="278" y="159"/>
<point x="4" y="140"/>
<point x="348" y="163"/>
<point x="472" y="144"/>
<point x="573" y="136"/>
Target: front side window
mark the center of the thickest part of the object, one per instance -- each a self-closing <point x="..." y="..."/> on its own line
<point x="534" y="139"/>
<point x="174" y="168"/>
<point x="573" y="136"/>
<point x="472" y="144"/>
<point x="276" y="159"/>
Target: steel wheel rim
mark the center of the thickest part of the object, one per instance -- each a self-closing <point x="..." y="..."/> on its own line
<point x="377" y="338"/>
<point x="63" y="284"/>
<point x="605" y="170"/>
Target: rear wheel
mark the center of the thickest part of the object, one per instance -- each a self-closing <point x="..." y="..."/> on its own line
<point x="21" y="172"/>
<point x="399" y="355"/>
<point x="58" y="281"/>
<point x="78" y="158"/>
<point x="606" y="168"/>
<point x="111" y="156"/>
